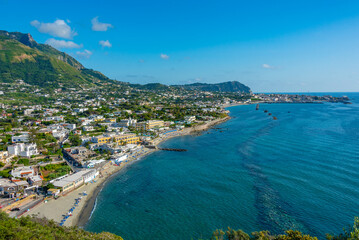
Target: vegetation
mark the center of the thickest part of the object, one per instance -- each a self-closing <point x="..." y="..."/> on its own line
<point x="349" y="234"/>
<point x="52" y="171"/>
<point x="75" y="140"/>
<point x="5" y="173"/>
<point x="24" y="161"/>
<point x="218" y="87"/>
<point x="41" y="65"/>
<point x="27" y="228"/>
<point x="41" y="228"/>
<point x="231" y="234"/>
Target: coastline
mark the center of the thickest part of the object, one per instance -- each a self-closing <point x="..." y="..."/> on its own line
<point x="88" y="208"/>
<point x="56" y="209"/>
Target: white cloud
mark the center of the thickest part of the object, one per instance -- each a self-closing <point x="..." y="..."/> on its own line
<point x="164" y="56"/>
<point x="99" y="26"/>
<point x="267" y="66"/>
<point x="59" y="28"/>
<point x="84" y="54"/>
<point x="105" y="43"/>
<point x="62" y="43"/>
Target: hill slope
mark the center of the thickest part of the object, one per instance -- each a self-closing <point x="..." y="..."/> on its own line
<point x="21" y="57"/>
<point x="233" y="86"/>
<point x="35" y="228"/>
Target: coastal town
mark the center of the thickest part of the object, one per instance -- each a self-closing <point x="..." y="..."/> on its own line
<point x="57" y="149"/>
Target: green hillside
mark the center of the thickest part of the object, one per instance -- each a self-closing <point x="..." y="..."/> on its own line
<point x="233" y="86"/>
<point x="34" y="228"/>
<point x="23" y="58"/>
<point x="40" y="65"/>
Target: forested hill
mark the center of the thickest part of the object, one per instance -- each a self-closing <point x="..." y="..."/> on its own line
<point x="233" y="86"/>
<point x="21" y="57"/>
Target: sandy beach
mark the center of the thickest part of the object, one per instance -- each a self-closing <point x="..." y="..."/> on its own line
<point x="58" y="209"/>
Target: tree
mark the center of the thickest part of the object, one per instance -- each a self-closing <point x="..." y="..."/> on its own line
<point x="237" y="235"/>
<point x="75" y="140"/>
<point x="351" y="234"/>
<point x="24" y="161"/>
<point x="295" y="235"/>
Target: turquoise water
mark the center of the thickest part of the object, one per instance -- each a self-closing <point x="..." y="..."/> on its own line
<point x="300" y="171"/>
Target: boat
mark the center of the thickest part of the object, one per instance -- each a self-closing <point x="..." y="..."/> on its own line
<point x="269" y="114"/>
<point x="274" y="118"/>
<point x="265" y="111"/>
<point x="257" y="107"/>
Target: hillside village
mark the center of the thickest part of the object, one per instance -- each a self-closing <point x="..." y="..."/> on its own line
<point x="64" y="139"/>
<point x="62" y="125"/>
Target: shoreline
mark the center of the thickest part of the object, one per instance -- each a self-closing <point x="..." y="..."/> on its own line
<point x="56" y="209"/>
<point x="89" y="207"/>
<point x="85" y="213"/>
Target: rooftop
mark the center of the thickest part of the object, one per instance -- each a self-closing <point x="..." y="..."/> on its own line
<point x="61" y="182"/>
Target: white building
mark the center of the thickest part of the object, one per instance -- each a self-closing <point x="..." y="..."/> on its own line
<point x="85" y="121"/>
<point x="94" y="163"/>
<point x="126" y="123"/>
<point x="55" y="118"/>
<point x="88" y="128"/>
<point x="23" y="172"/>
<point x="70" y="126"/>
<point x="190" y="119"/>
<point x="23" y="150"/>
<point x="4" y="156"/>
<point x="20" y="138"/>
<point x="71" y="182"/>
<point x="59" y="133"/>
<point x="119" y="158"/>
<point x="27" y="112"/>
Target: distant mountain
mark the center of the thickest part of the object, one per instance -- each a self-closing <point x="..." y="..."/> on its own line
<point x="233" y="86"/>
<point x="21" y="57"/>
<point x="151" y="86"/>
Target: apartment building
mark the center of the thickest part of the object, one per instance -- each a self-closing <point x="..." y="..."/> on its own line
<point x="150" y="124"/>
<point x="130" y="138"/>
<point x="20" y="138"/>
<point x="23" y="150"/>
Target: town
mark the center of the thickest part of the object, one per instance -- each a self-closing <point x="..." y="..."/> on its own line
<point x="54" y="143"/>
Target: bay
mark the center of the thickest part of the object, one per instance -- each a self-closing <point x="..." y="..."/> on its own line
<point x="253" y="173"/>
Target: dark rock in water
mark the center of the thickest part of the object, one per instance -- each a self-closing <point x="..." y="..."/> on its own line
<point x="265" y="111"/>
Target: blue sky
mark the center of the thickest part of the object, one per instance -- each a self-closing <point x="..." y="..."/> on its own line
<point x="271" y="46"/>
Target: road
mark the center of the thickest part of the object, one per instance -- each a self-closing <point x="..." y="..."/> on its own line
<point x="72" y="164"/>
<point x="24" y="208"/>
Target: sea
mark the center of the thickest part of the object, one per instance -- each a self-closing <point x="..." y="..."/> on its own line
<point x="253" y="173"/>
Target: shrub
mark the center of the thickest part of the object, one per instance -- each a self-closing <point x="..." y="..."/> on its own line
<point x="24" y="161"/>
